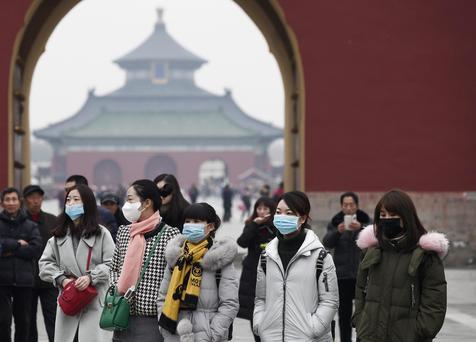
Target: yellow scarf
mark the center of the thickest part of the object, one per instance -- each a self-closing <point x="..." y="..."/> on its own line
<point x="184" y="286"/>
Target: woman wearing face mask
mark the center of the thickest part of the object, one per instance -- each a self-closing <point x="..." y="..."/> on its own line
<point x="401" y="286"/>
<point x="65" y="260"/>
<point x="173" y="203"/>
<point x="147" y="234"/>
<point x="258" y="232"/>
<point x="291" y="304"/>
<point x="198" y="298"/>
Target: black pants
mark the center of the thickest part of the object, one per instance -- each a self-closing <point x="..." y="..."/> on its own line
<point x="48" y="297"/>
<point x="346" y="297"/>
<point x="15" y="301"/>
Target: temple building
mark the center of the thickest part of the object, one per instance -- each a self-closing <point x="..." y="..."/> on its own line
<point x="159" y="121"/>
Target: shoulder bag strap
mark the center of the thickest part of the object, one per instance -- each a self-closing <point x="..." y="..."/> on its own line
<point x="151" y="252"/>
<point x="89" y="258"/>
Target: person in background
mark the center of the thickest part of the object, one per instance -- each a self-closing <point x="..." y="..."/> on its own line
<point x="257" y="233"/>
<point x="245" y="202"/>
<point x="227" y="197"/>
<point x="341" y="237"/>
<point x="111" y="202"/>
<point x="278" y="192"/>
<point x="21" y="247"/>
<point x="265" y="191"/>
<point x="105" y="217"/>
<point x="33" y="196"/>
<point x="198" y="298"/>
<point x="401" y="285"/>
<point x="173" y="202"/>
<point x="134" y="243"/>
<point x="65" y="259"/>
<point x="193" y="193"/>
<point x="291" y="304"/>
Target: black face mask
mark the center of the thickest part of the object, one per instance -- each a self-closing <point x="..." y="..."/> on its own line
<point x="166" y="190"/>
<point x="391" y="227"/>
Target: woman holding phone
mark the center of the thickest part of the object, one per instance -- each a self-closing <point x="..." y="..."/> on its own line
<point x="258" y="231"/>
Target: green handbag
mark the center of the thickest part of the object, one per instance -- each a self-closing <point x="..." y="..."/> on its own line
<point x="116" y="311"/>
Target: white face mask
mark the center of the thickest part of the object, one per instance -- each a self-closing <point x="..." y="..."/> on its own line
<point x="131" y="211"/>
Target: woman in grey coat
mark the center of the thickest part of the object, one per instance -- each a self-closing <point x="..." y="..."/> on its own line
<point x="65" y="258"/>
<point x="291" y="304"/>
<point x="202" y="304"/>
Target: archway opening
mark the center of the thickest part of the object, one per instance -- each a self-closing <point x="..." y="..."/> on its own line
<point x="43" y="18"/>
<point x="160" y="164"/>
<point x="107" y="175"/>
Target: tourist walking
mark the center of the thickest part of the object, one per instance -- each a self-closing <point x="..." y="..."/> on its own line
<point x="198" y="298"/>
<point x="401" y="286"/>
<point x="147" y="236"/>
<point x="173" y="202"/>
<point x="79" y="252"/>
<point x="292" y="302"/>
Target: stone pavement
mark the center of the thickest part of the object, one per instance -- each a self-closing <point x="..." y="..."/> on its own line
<point x="460" y="322"/>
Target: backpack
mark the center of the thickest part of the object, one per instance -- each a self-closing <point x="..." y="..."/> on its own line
<point x="319" y="266"/>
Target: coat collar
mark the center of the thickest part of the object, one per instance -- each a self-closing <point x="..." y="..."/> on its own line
<point x="88" y="241"/>
<point x="222" y="253"/>
<point x="311" y="242"/>
<point x="431" y="241"/>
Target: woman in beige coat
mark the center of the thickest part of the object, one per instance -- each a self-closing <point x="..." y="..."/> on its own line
<point x="64" y="260"/>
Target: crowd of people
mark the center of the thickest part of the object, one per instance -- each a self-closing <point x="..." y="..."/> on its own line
<point x="149" y="267"/>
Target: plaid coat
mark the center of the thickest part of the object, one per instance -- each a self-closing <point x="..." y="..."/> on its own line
<point x="145" y="300"/>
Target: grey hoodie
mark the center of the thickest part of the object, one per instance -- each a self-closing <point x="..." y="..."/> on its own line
<point x="289" y="304"/>
<point x="217" y="307"/>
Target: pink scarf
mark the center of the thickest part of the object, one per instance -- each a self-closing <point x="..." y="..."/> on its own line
<point x="135" y="252"/>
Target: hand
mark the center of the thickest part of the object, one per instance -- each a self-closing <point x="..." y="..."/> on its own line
<point x="82" y="282"/>
<point x="355" y="225"/>
<point x="341" y="228"/>
<point x="260" y="220"/>
<point x="23" y="243"/>
<point x="66" y="281"/>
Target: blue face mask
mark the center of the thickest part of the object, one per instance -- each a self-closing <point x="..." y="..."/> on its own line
<point x="286" y="224"/>
<point x="194" y="232"/>
<point x="74" y="211"/>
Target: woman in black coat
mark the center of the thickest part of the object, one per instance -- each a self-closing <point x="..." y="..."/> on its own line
<point x="258" y="231"/>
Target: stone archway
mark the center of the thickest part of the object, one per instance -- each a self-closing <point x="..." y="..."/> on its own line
<point x="107" y="174"/>
<point x="159" y="164"/>
<point x="43" y="16"/>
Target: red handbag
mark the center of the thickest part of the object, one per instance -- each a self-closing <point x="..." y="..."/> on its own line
<point x="72" y="300"/>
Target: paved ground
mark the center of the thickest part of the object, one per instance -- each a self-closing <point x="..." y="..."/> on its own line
<point x="460" y="323"/>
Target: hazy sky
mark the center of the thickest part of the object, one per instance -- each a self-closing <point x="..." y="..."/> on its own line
<point x="80" y="54"/>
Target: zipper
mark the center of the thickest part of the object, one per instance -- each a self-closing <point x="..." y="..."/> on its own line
<point x="284" y="305"/>
<point x="285" y="276"/>
<point x="325" y="282"/>
<point x="413" y="295"/>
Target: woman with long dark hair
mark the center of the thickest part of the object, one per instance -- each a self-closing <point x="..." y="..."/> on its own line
<point x="401" y="286"/>
<point x="296" y="290"/>
<point x="78" y="238"/>
<point x="198" y="298"/>
<point x="146" y="236"/>
<point x="173" y="202"/>
<point x="257" y="233"/>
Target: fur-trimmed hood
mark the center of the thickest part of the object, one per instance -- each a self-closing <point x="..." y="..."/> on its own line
<point x="431" y="241"/>
<point x="222" y="253"/>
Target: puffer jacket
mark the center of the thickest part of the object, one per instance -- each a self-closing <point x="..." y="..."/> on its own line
<point x="217" y="305"/>
<point x="289" y="304"/>
<point x="400" y="293"/>
<point x="345" y="251"/>
<point x="16" y="261"/>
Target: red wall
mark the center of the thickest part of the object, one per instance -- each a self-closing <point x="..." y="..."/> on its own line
<point x="11" y="20"/>
<point x="390" y="92"/>
<point x="133" y="163"/>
